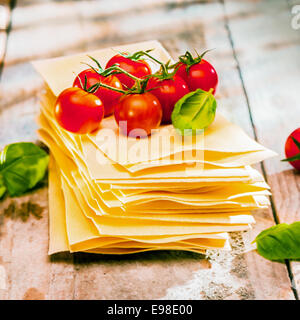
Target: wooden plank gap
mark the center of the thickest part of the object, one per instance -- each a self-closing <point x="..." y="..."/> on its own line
<point x="4" y="16"/>
<point x="273" y="207"/>
<point x="3" y="38"/>
<point x="6" y="7"/>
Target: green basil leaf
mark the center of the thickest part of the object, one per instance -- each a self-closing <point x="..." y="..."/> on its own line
<point x="280" y="242"/>
<point x="22" y="166"/>
<point x="196" y="110"/>
<point x="2" y="187"/>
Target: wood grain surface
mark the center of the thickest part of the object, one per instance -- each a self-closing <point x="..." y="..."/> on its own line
<point x="256" y="54"/>
<point x="5" y="9"/>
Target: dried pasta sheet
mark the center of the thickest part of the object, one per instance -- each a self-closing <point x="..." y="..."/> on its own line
<point x="235" y="196"/>
<point x="69" y="225"/>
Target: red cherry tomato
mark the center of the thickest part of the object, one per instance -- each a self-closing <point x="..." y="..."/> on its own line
<point x="138" y="68"/>
<point x="141" y="111"/>
<point x="108" y="97"/>
<point x="78" y="111"/>
<point x="168" y="92"/>
<point x="291" y="149"/>
<point x="201" y="75"/>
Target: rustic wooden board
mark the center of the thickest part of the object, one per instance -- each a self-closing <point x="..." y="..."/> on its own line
<point x="4" y="25"/>
<point x="267" y="50"/>
<point x="3" y="38"/>
<point x="4" y="14"/>
<point x="56" y="28"/>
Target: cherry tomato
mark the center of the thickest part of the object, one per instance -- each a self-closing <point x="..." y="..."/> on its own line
<point x="292" y="150"/>
<point x="108" y="97"/>
<point x="168" y="92"/>
<point x="141" y="111"/>
<point x="201" y="75"/>
<point x="138" y="68"/>
<point x="78" y="111"/>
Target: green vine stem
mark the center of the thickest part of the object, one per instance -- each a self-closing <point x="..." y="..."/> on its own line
<point x="99" y="84"/>
<point x="91" y="89"/>
<point x="164" y="67"/>
<point x="137" y="80"/>
<point x="189" y="60"/>
<point x="134" y="56"/>
<point x="163" y="73"/>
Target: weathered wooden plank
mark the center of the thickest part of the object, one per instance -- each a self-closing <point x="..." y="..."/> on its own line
<point x="268" y="50"/>
<point x="30" y="273"/>
<point x="96" y="32"/>
<point x="233" y="104"/>
<point x="3" y="37"/>
<point x="24" y="128"/>
<point x="4" y="25"/>
<point x="140" y="276"/>
<point x="24" y="231"/>
<point x="58" y="12"/>
<point x="62" y="277"/>
<point x="4" y="14"/>
<point x="27" y="250"/>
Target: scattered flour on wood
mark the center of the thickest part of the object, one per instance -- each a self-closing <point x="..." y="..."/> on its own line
<point x="227" y="277"/>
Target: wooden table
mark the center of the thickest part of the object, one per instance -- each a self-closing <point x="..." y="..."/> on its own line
<point x="257" y="57"/>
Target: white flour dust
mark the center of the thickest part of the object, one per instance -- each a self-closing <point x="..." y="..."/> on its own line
<point x="224" y="279"/>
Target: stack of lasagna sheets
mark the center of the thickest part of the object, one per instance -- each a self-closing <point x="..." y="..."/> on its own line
<point x="112" y="194"/>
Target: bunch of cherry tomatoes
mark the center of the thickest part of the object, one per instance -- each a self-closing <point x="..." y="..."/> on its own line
<point x="142" y="100"/>
<point x="128" y="88"/>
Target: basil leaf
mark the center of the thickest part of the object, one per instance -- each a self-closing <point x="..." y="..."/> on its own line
<point x="2" y="187"/>
<point x="195" y="110"/>
<point x="22" y="166"/>
<point x="280" y="242"/>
